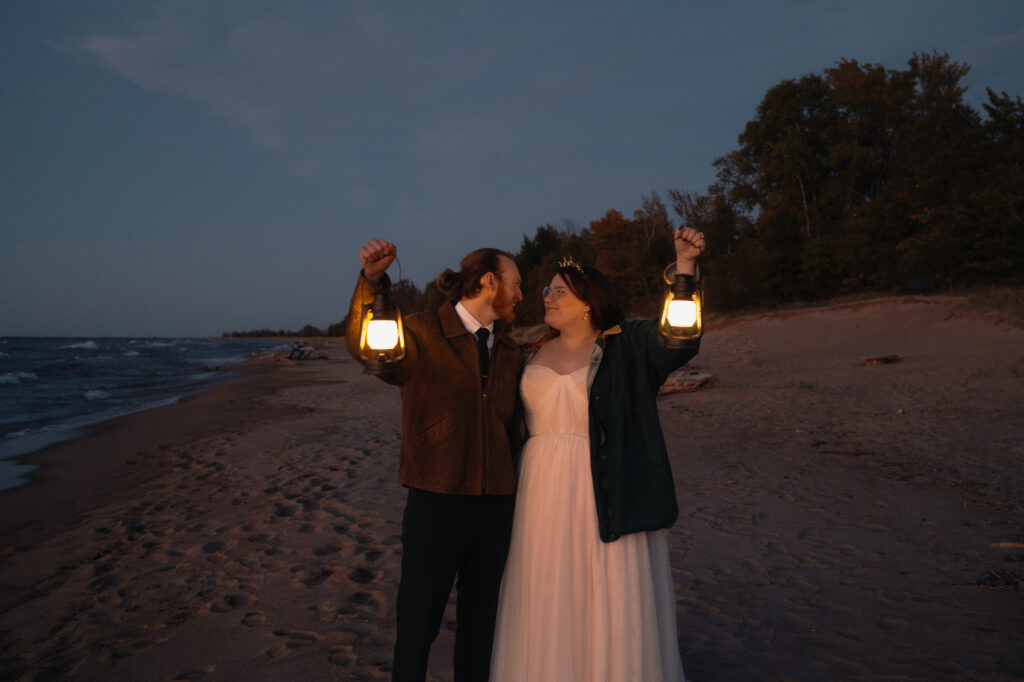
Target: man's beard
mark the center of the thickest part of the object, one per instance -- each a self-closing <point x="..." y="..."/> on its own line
<point x="504" y="306"/>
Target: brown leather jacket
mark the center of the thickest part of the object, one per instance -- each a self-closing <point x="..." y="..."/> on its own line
<point x="456" y="438"/>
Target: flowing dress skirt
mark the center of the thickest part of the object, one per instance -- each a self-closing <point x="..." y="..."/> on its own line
<point x="574" y="608"/>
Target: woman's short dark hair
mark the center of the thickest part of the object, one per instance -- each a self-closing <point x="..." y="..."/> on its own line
<point x="466" y="282"/>
<point x="593" y="288"/>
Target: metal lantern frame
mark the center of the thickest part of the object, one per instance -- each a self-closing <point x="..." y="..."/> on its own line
<point x="378" y="359"/>
<point x="684" y="290"/>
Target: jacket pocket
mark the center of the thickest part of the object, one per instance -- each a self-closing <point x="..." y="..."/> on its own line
<point x="440" y="431"/>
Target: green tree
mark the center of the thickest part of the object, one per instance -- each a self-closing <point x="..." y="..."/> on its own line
<point x="545" y="240"/>
<point x="407" y="296"/>
<point x="777" y="178"/>
<point x="433" y="297"/>
<point x="337" y="329"/>
<point x="537" y="261"/>
<point x="935" y="164"/>
<point x="858" y="179"/>
<point x="727" y="262"/>
<point x="633" y="254"/>
<point x="996" y="255"/>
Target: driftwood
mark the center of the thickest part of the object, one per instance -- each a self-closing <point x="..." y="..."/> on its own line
<point x="685" y="380"/>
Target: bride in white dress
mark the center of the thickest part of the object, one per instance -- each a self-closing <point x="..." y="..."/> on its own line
<point x="587" y="594"/>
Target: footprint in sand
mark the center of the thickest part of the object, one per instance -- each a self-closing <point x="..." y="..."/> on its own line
<point x="253" y="618"/>
<point x="230" y="602"/>
<point x="363" y="575"/>
<point x="343" y="655"/>
<point x="315" y="579"/>
<point x="327" y="550"/>
<point x="366" y="600"/>
<point x="294" y="639"/>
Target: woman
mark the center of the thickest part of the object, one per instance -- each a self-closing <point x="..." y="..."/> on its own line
<point x="587" y="592"/>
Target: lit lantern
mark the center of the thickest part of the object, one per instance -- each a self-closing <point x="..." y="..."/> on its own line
<point x="681" y="314"/>
<point x="381" y="336"/>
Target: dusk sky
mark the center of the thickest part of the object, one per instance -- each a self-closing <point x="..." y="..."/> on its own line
<point x="186" y="168"/>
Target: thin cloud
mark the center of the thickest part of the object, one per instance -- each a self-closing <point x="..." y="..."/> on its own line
<point x="167" y="64"/>
<point x="273" y="79"/>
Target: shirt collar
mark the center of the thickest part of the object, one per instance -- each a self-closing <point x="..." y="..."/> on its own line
<point x="471" y="323"/>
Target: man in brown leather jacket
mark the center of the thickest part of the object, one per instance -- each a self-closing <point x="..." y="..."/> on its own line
<point x="459" y="384"/>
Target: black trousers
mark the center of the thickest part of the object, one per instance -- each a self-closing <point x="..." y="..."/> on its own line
<point x="444" y="537"/>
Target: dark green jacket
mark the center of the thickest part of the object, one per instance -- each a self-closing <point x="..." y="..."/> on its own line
<point x="633" y="484"/>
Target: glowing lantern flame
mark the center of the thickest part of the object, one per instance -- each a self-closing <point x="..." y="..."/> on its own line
<point x="382" y="334"/>
<point x="682" y="313"/>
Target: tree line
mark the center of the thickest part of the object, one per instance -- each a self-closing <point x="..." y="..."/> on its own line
<point x="865" y="179"/>
<point x="307" y="331"/>
<point x="859" y="179"/>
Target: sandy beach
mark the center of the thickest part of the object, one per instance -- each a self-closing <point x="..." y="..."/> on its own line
<point x="841" y="517"/>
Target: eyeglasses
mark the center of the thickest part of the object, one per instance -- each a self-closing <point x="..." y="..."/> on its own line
<point x="557" y="292"/>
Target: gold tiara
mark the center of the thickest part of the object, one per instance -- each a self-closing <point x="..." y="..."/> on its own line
<point x="568" y="262"/>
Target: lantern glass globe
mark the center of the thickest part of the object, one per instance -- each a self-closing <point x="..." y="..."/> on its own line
<point x="382" y="334"/>
<point x="682" y="313"/>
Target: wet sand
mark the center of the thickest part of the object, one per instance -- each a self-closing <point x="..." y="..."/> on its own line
<point x="839" y="520"/>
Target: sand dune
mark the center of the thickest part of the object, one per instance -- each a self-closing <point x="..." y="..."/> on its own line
<point x="839" y="520"/>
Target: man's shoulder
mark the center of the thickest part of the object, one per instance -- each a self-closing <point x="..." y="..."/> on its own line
<point x="422" y="320"/>
<point x="430" y="321"/>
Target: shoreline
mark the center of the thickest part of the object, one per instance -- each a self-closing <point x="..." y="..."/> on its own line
<point x="130" y="369"/>
<point x="60" y="471"/>
<point x="838" y="519"/>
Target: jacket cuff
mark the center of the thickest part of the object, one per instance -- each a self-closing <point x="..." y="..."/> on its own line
<point x="669" y="274"/>
<point x="383" y="283"/>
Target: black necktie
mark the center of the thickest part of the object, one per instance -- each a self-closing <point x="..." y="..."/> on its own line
<point x="485" y="357"/>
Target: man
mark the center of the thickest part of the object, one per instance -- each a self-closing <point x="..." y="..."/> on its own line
<point x="459" y="384"/>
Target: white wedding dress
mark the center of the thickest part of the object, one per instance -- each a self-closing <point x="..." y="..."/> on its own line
<point x="574" y="608"/>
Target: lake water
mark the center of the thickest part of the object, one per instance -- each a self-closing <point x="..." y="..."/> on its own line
<point x="53" y="389"/>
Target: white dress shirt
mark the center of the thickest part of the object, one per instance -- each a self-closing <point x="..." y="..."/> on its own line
<point x="472" y="324"/>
